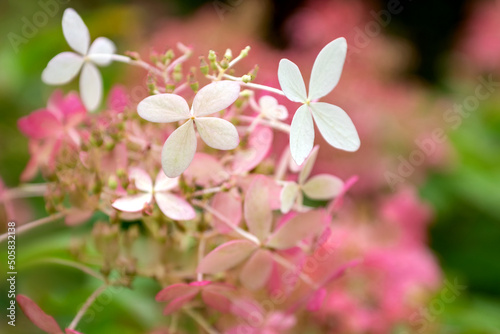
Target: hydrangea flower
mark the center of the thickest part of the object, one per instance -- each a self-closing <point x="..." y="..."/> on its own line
<point x="318" y="187"/>
<point x="171" y="205"/>
<point x="180" y="147"/>
<point x="271" y="109"/>
<point x="258" y="258"/>
<point x="333" y="122"/>
<point x="65" y="66"/>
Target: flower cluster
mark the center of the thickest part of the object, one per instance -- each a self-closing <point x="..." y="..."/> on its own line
<point x="230" y="224"/>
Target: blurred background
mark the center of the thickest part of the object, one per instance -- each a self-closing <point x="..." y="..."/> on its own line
<point x="412" y="76"/>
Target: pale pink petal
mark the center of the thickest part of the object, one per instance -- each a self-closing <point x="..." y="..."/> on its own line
<point x="257" y="270"/>
<point x="226" y="256"/>
<point x="228" y="204"/>
<point x="62" y="68"/>
<point x="308" y="165"/>
<point x="298" y="228"/>
<point x="217" y="133"/>
<point x="101" y="50"/>
<point x="174" y="207"/>
<point x="165" y="183"/>
<point x="288" y="196"/>
<point x="215" y="97"/>
<point x="118" y="99"/>
<point x="37" y="316"/>
<point x="316" y="300"/>
<point x="163" y="108"/>
<point x="141" y="179"/>
<point x="257" y="148"/>
<point x="205" y="171"/>
<point x="132" y="203"/>
<point x="77" y="216"/>
<point x="179" y="149"/>
<point x="249" y="310"/>
<point x="257" y="210"/>
<point x="75" y="31"/>
<point x="338" y="201"/>
<point x="323" y="187"/>
<point x="218" y="297"/>
<point x="178" y="303"/>
<point x="175" y="291"/>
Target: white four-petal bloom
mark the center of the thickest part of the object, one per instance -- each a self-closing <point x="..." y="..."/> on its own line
<point x="318" y="187"/>
<point x="171" y="205"/>
<point x="65" y="66"/>
<point x="180" y="147"/>
<point x="333" y="122"/>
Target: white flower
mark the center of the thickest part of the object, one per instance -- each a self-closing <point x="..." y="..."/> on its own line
<point x="333" y="123"/>
<point x="318" y="187"/>
<point x="180" y="147"/>
<point x="270" y="108"/>
<point x="171" y="205"/>
<point x="65" y="66"/>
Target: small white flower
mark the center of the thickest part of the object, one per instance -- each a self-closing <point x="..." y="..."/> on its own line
<point x="65" y="66"/>
<point x="333" y="122"/>
<point x="171" y="205"/>
<point x="180" y="147"/>
<point x="270" y="108"/>
<point x="318" y="187"/>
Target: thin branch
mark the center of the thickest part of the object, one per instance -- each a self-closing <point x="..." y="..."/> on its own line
<point x="85" y="306"/>
<point x="75" y="265"/>
<point x="33" y="224"/>
<point x="199" y="319"/>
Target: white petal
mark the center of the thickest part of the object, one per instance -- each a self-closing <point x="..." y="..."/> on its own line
<point x="323" y="187"/>
<point x="62" y="68"/>
<point x="288" y="196"/>
<point x="291" y="81"/>
<point x="301" y="134"/>
<point x="163" y="108"/>
<point x="217" y="133"/>
<point x="141" y="179"/>
<point x="90" y="86"/>
<point x="308" y="165"/>
<point x="215" y="97"/>
<point x="335" y="126"/>
<point x="165" y="183"/>
<point x="271" y="109"/>
<point x="179" y="150"/>
<point x="101" y="50"/>
<point x="133" y="203"/>
<point x="174" y="207"/>
<point x="75" y="31"/>
<point x="327" y="68"/>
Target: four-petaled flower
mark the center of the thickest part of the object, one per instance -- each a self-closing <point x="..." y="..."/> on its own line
<point x="65" y="66"/>
<point x="333" y="122"/>
<point x="180" y="147"/>
<point x="318" y="187"/>
<point x="171" y="205"/>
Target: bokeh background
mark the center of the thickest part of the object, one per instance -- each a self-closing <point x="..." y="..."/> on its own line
<point x="405" y="74"/>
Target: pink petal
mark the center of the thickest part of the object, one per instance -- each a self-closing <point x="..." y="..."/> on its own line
<point x="218" y="297"/>
<point x="298" y="228"/>
<point x="118" y="99"/>
<point x="249" y="310"/>
<point x="257" y="211"/>
<point x="316" y="300"/>
<point x="175" y="291"/>
<point x="165" y="183"/>
<point x="133" y="203"/>
<point x="257" y="148"/>
<point x="67" y="108"/>
<point x="257" y="270"/>
<point x="77" y="216"/>
<point x="37" y="316"/>
<point x="174" y="207"/>
<point x="178" y="303"/>
<point x="226" y="256"/>
<point x="141" y="179"/>
<point x="40" y="124"/>
<point x="228" y="204"/>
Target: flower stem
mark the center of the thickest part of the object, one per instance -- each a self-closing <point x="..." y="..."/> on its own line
<point x="25" y="190"/>
<point x="75" y="265"/>
<point x="253" y="85"/>
<point x="199" y="319"/>
<point x="272" y="124"/>
<point x="34" y="224"/>
<point x="85" y="306"/>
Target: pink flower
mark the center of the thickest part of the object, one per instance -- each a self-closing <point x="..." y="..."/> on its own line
<point x="171" y="205"/>
<point x="49" y="128"/>
<point x="215" y="295"/>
